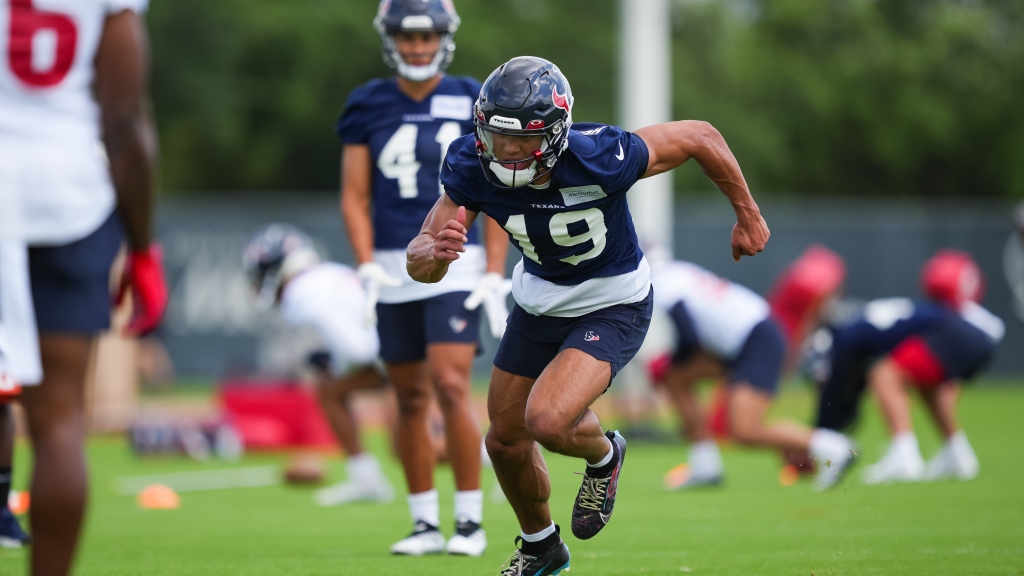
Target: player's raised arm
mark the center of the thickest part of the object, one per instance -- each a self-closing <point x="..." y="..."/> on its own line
<point x="439" y="242"/>
<point x="673" y="143"/>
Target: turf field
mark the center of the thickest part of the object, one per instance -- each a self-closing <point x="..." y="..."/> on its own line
<point x="752" y="525"/>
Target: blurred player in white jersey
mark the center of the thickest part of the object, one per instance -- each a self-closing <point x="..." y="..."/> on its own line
<point x="726" y="330"/>
<point x="19" y="345"/>
<point x="284" y="268"/>
<point x="73" y="86"/>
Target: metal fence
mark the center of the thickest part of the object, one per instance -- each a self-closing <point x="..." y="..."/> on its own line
<point x="214" y="329"/>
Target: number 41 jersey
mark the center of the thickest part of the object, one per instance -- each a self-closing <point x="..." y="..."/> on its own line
<point x="580" y="250"/>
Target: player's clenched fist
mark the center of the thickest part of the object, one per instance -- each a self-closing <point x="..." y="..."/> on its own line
<point x="749" y="235"/>
<point x="451" y="240"/>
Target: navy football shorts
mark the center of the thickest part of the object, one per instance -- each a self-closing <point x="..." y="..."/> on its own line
<point x="71" y="283"/>
<point x="760" y="360"/>
<point x="954" y="350"/>
<point x="407" y="328"/>
<point x="612" y="334"/>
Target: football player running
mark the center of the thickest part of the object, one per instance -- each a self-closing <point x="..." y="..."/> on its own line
<point x="395" y="132"/>
<point x="285" y="271"/>
<point x="73" y="78"/>
<point x="582" y="289"/>
<point x="899" y="344"/>
<point x="726" y="330"/>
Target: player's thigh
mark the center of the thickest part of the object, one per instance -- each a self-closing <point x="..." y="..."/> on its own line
<point x="683" y="377"/>
<point x="566" y="389"/>
<point x="747" y="407"/>
<point x="450" y="365"/>
<point x="507" y="397"/>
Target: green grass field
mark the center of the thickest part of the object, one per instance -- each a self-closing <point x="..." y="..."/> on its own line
<point x="752" y="525"/>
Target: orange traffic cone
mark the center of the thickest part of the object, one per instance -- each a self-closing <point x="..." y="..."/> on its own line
<point x="158" y="497"/>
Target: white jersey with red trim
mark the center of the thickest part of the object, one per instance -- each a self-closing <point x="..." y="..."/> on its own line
<point x="49" y="118"/>
<point x="329" y="298"/>
<point x="723" y="312"/>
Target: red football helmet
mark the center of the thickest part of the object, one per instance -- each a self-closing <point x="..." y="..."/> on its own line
<point x="952" y="277"/>
<point x="804" y="287"/>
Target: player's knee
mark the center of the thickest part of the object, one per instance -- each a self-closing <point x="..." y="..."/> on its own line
<point x="414" y="401"/>
<point x="546" y="430"/>
<point x="743" y="431"/>
<point x="505" y="447"/>
<point x="452" y="390"/>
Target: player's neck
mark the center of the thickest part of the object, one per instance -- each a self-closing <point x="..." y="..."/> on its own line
<point x="418" y="91"/>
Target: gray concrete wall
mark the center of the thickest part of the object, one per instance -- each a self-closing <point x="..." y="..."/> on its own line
<point x="213" y="328"/>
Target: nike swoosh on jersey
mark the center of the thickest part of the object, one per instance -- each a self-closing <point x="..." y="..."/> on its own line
<point x="621" y="155"/>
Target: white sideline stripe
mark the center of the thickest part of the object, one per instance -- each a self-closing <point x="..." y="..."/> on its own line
<point x="201" y="480"/>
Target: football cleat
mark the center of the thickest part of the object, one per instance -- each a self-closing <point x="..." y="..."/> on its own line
<point x="895" y="468"/>
<point x="424" y="539"/>
<point x="11" y="534"/>
<point x="947" y="464"/>
<point x="353" y="491"/>
<point x="831" y="472"/>
<point x="596" y="499"/>
<point x="469" y="539"/>
<point x="550" y="563"/>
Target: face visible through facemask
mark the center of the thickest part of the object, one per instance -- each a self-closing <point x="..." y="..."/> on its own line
<point x="514" y="163"/>
<point x="419" y="52"/>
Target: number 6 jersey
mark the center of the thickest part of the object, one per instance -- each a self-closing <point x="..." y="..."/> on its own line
<point x="580" y="250"/>
<point x="407" y="140"/>
<point x="49" y="119"/>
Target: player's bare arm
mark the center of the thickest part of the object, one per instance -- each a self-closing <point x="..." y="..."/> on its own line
<point x="440" y="241"/>
<point x="671" y="144"/>
<point x="122" y="72"/>
<point x="356" y="169"/>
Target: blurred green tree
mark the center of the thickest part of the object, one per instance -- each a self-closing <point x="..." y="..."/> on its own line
<point x="885" y="97"/>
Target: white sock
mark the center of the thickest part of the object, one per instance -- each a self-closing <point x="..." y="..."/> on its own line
<point x="705" y="459"/>
<point x="424" y="507"/>
<point x="364" y="468"/>
<point x="605" y="460"/>
<point x="905" y="444"/>
<point x="827" y="444"/>
<point x="539" y="535"/>
<point x="469" y="505"/>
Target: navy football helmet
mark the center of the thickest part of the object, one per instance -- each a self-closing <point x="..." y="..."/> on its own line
<point x="417" y="16"/>
<point x="526" y="96"/>
<point x="275" y="254"/>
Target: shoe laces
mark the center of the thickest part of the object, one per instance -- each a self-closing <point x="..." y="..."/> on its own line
<point x="516" y="563"/>
<point x="592" y="492"/>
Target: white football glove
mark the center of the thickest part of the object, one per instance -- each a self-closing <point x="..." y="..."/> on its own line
<point x="491" y="291"/>
<point x="374" y="278"/>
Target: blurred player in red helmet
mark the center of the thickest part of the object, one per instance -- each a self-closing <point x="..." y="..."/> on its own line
<point x="79" y="149"/>
<point x="898" y="344"/>
<point x="726" y="331"/>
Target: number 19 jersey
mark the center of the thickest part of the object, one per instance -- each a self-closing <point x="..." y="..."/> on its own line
<point x="407" y="140"/>
<point x="580" y="250"/>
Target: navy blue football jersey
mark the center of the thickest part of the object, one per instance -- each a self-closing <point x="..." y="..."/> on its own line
<point x="958" y="345"/>
<point x="579" y="227"/>
<point x="407" y="141"/>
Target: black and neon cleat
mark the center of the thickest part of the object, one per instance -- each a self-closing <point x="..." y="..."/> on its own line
<point x="596" y="499"/>
<point x="549" y="562"/>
